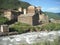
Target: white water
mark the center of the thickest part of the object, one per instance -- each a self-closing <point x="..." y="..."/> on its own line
<point x="30" y="37"/>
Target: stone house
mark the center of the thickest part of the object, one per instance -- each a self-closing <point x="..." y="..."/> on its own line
<point x="31" y="19"/>
<point x="57" y="21"/>
<point x="29" y="16"/>
<point x="11" y="14"/>
<point x="54" y="20"/>
<point x="33" y="16"/>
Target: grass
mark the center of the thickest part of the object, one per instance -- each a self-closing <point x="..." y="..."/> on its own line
<point x="23" y="28"/>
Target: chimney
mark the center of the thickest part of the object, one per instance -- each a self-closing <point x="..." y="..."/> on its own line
<point x="4" y="28"/>
<point x="24" y="11"/>
<point x="1" y="28"/>
<point x="39" y="8"/>
<point x="20" y="9"/>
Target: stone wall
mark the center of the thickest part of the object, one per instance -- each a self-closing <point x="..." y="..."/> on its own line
<point x="4" y="28"/>
<point x="8" y="14"/>
<point x="32" y="15"/>
<point x="55" y="21"/>
<point x="43" y="18"/>
<point x="36" y="19"/>
<point x="11" y="15"/>
<point x="0" y="28"/>
<point x="25" y="19"/>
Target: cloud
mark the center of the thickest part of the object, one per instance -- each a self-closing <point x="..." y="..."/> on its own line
<point x="53" y="9"/>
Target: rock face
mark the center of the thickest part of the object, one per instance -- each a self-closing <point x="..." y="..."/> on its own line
<point x="29" y="38"/>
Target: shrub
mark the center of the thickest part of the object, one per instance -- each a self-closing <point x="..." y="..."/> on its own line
<point x="20" y="27"/>
<point x="3" y="20"/>
<point x="51" y="26"/>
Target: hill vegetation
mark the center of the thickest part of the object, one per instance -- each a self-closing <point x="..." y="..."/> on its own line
<point x="13" y="4"/>
<point x="53" y="15"/>
<point x="20" y="27"/>
<point x="10" y="4"/>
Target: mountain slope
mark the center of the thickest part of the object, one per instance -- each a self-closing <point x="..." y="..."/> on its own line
<point x="13" y="4"/>
<point x="53" y="15"/>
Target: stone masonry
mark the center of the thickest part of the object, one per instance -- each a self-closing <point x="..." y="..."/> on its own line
<point x="32" y="15"/>
<point x="4" y="28"/>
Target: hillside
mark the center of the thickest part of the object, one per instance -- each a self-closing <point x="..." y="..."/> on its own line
<point x="53" y="15"/>
<point x="13" y="4"/>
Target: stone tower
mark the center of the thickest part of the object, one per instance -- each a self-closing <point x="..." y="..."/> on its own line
<point x="31" y="9"/>
<point x="38" y="10"/>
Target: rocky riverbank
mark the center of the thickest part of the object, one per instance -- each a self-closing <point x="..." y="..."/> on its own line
<point x="29" y="38"/>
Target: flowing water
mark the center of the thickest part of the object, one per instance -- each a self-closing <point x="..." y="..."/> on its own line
<point x="29" y="38"/>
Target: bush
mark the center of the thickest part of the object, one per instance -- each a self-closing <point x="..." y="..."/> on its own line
<point x="3" y="20"/>
<point x="51" y="26"/>
<point x="20" y="27"/>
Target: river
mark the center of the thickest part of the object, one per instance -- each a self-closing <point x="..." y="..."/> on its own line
<point x="29" y="38"/>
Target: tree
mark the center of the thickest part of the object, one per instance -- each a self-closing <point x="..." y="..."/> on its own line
<point x="3" y="20"/>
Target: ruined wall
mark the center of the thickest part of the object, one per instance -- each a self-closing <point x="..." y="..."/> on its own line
<point x="25" y="19"/>
<point x="8" y="14"/>
<point x="0" y="28"/>
<point x="36" y="19"/>
<point x="56" y="21"/>
<point x="4" y="28"/>
<point x="43" y="18"/>
<point x="33" y="16"/>
<point x="31" y="20"/>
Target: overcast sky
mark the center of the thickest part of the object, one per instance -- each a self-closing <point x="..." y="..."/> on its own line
<point x="47" y="5"/>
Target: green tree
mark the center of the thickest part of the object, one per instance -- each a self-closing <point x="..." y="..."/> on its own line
<point x="3" y="20"/>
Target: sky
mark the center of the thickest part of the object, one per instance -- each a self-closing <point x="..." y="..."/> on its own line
<point x="46" y="5"/>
